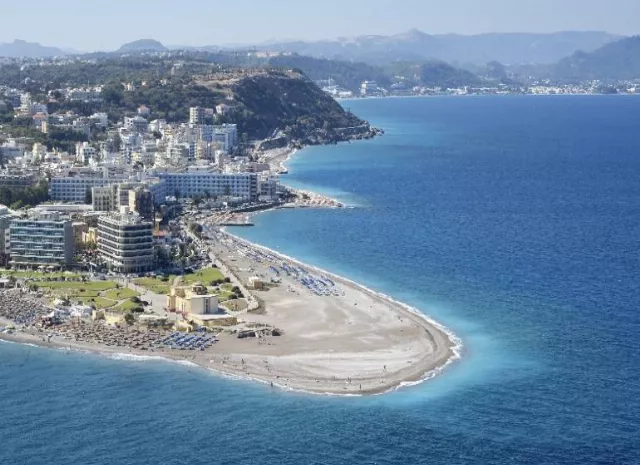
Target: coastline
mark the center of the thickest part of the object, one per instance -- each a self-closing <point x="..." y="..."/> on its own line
<point x="277" y="160"/>
<point x="455" y="344"/>
<point x="360" y="343"/>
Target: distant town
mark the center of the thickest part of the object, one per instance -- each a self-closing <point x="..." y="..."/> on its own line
<point x="401" y="88"/>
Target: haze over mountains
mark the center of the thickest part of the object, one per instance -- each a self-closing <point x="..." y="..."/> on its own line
<point x="564" y="56"/>
<point x="415" y="45"/>
<point x="21" y="48"/>
<point x="618" y="60"/>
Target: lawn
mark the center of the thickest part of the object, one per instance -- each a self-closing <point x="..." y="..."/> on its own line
<point x="126" y="306"/>
<point x="97" y="302"/>
<point x="223" y="294"/>
<point x="205" y="276"/>
<point x="77" y="285"/>
<point x="158" y="286"/>
<point x="75" y="293"/>
<point x="154" y="285"/>
<point x="120" y="294"/>
<point x="39" y="274"/>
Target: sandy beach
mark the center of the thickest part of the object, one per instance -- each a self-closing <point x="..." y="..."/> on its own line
<point x="333" y="336"/>
<point x="348" y="340"/>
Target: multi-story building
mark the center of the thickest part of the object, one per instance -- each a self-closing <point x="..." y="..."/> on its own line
<point x="190" y="184"/>
<point x="369" y="88"/>
<point x="73" y="186"/>
<point x="99" y="119"/>
<point x="196" y="115"/>
<point x="141" y="202"/>
<point x="15" y="180"/>
<point x="84" y="152"/>
<point x="5" y="220"/>
<point x="42" y="240"/>
<point x="74" y="189"/>
<point x="227" y="136"/>
<point x="268" y="188"/>
<point x="103" y="199"/>
<point x="125" y="242"/>
<point x="137" y="124"/>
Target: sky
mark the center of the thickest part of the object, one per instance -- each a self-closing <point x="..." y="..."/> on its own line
<point x="89" y="25"/>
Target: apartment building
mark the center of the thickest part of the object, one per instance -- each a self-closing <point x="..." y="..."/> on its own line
<point x="191" y="184"/>
<point x="196" y="115"/>
<point x="136" y="124"/>
<point x="15" y="180"/>
<point x="5" y="221"/>
<point x="125" y="242"/>
<point x="74" y="189"/>
<point x="73" y="186"/>
<point x="141" y="202"/>
<point x="45" y="239"/>
<point x="103" y="199"/>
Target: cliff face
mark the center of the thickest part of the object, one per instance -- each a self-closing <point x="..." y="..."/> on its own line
<point x="269" y="102"/>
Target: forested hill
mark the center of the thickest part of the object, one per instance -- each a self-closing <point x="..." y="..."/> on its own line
<point x="350" y="75"/>
<point x="344" y="73"/>
<point x="259" y="100"/>
<point x="269" y="100"/>
<point x="615" y="61"/>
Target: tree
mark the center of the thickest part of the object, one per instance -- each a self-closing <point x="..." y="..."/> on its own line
<point x="129" y="318"/>
<point x="17" y="205"/>
<point x="88" y="196"/>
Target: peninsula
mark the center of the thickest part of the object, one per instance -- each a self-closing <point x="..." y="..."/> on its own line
<point x="116" y="241"/>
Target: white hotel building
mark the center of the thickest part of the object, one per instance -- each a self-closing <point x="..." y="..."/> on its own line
<point x="190" y="184"/>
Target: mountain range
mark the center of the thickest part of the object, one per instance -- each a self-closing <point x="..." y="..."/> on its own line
<point x="564" y="56"/>
<point x="415" y="45"/>
<point x="615" y="61"/>
<point x="21" y="48"/>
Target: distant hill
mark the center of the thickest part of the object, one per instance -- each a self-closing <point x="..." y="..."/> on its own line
<point x="350" y="74"/>
<point x="345" y="74"/>
<point x="416" y="45"/>
<point x="288" y="101"/>
<point x="618" y="60"/>
<point x="440" y="74"/>
<point x="143" y="45"/>
<point x="20" y="48"/>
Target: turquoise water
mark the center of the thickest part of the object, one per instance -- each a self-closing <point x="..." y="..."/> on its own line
<point x="514" y="221"/>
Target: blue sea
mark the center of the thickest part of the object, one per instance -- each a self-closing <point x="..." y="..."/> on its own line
<point x="514" y="221"/>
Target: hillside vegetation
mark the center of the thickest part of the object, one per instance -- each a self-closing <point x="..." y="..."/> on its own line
<point x="266" y="101"/>
<point x="615" y="61"/>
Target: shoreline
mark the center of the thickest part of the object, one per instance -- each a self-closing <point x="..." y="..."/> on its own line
<point x="277" y="160"/>
<point x="334" y="348"/>
<point x="455" y="343"/>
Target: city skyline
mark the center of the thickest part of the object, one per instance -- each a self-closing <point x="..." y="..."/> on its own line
<point x="196" y="24"/>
